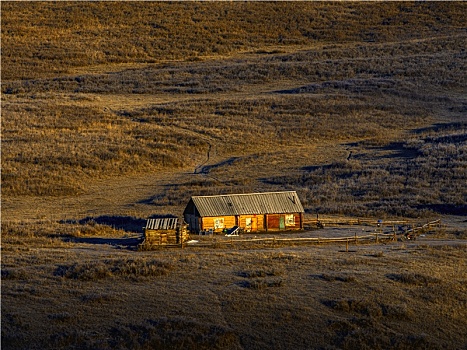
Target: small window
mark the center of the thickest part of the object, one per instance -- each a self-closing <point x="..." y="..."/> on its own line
<point x="289" y="220"/>
<point x="218" y="223"/>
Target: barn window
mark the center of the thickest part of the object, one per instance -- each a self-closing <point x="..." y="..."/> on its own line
<point x="218" y="223"/>
<point x="290" y="220"/>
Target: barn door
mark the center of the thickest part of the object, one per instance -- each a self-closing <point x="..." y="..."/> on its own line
<point x="281" y="223"/>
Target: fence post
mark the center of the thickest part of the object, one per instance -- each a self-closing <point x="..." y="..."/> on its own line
<point x="347" y="245"/>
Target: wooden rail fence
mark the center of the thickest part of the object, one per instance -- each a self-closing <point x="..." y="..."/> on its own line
<point x="377" y="237"/>
<point x="353" y="221"/>
<point x="428" y="226"/>
<point x="273" y="241"/>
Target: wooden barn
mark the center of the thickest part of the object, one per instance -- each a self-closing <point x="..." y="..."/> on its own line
<point x="164" y="232"/>
<point x="253" y="212"/>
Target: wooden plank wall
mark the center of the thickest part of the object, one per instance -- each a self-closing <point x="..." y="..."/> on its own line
<point x="166" y="237"/>
<point x="208" y="223"/>
<point x="273" y="222"/>
<point x="193" y="222"/>
<point x="160" y="236"/>
<point x="257" y="222"/>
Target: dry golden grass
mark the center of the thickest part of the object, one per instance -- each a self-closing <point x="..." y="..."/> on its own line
<point x="112" y="112"/>
<point x="44" y="39"/>
<point x="397" y="295"/>
<point x="265" y="109"/>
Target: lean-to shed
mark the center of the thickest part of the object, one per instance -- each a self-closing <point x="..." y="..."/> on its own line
<point x="164" y="231"/>
<point x="267" y="211"/>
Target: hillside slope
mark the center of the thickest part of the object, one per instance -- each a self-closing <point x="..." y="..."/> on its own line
<point x="116" y="111"/>
<point x="341" y="97"/>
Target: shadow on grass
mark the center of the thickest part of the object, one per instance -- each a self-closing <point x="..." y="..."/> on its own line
<point x="124" y="223"/>
<point x="98" y="230"/>
<point x="440" y="127"/>
<point x="446" y="209"/>
<point x="129" y="243"/>
<point x="205" y="169"/>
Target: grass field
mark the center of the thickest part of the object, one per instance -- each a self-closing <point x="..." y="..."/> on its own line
<point x="68" y="294"/>
<point x="112" y="112"/>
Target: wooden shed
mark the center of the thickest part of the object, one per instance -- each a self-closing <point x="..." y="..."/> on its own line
<point x="253" y="212"/>
<point x="164" y="232"/>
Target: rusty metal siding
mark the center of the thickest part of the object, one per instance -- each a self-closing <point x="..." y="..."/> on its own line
<point x="252" y="203"/>
<point x="162" y="224"/>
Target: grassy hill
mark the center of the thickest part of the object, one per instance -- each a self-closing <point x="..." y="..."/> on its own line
<point x="112" y="112"/>
<point x="43" y="39"/>
<point x="373" y="91"/>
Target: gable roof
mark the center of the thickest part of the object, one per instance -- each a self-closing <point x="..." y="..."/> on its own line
<point x="250" y="203"/>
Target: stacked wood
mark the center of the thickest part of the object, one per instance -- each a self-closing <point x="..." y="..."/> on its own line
<point x="161" y="237"/>
<point x="164" y="232"/>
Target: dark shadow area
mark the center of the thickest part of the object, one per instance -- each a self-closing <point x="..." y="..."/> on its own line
<point x="371" y="85"/>
<point x="123" y="243"/>
<point x="120" y="243"/>
<point x="398" y="151"/>
<point x="150" y="200"/>
<point x="440" y="127"/>
<point x="157" y="216"/>
<point x="301" y="89"/>
<point x="448" y="139"/>
<point x="271" y="181"/>
<point x="207" y="168"/>
<point x="332" y="278"/>
<point x="125" y="223"/>
<point x="413" y="278"/>
<point x="312" y="168"/>
<point x="446" y="209"/>
<point x="244" y="284"/>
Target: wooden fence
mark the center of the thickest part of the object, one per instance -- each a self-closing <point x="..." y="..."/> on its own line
<point x="373" y="238"/>
<point x="275" y="241"/>
<point x="421" y="229"/>
<point x="336" y="221"/>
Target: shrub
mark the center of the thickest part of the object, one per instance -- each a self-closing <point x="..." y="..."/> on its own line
<point x="413" y="279"/>
<point x="259" y="284"/>
<point x="13" y="274"/>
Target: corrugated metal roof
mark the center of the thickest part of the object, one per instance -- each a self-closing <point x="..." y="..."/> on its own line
<point x="250" y="203"/>
<point x="162" y="224"/>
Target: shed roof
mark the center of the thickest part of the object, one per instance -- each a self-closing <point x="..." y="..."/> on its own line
<point x="162" y="224"/>
<point x="250" y="203"/>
